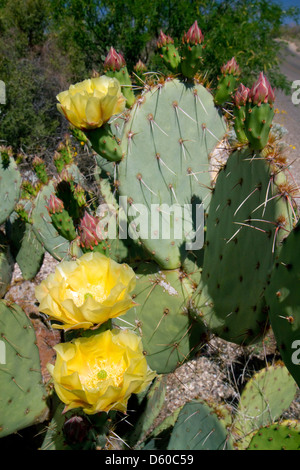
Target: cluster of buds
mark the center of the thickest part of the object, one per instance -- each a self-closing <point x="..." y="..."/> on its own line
<point x="253" y="113"/>
<point x="194" y="35"/>
<point x="114" y="61"/>
<point x="262" y="92"/>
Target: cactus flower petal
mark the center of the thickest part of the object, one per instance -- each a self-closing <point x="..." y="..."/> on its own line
<point x="99" y="373"/>
<point x="91" y="103"/>
<point x="86" y="292"/>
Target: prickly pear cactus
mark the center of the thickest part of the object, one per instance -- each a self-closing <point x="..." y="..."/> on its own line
<point x="279" y="436"/>
<point x="166" y="145"/>
<point x="23" y="396"/>
<point x="10" y="183"/>
<point x="161" y="318"/>
<point x="198" y="427"/>
<point x="6" y="264"/>
<point x="151" y="407"/>
<point x="265" y="397"/>
<point x="26" y="249"/>
<point x="283" y="299"/>
<point x="248" y="216"/>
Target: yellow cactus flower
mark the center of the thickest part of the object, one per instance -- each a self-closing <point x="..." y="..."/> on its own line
<point x="91" y="103"/>
<point x="86" y="292"/>
<point x="101" y="372"/>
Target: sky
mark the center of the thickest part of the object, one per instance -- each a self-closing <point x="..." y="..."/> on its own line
<point x="288" y="4"/>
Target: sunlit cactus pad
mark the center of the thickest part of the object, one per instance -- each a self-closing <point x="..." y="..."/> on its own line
<point x="161" y="317"/>
<point x="166" y="144"/>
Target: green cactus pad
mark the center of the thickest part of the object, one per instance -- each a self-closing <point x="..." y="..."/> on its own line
<point x="283" y="298"/>
<point x="258" y="125"/>
<point x="152" y="405"/>
<point x="167" y="142"/>
<point x="246" y="222"/>
<point x="265" y="397"/>
<point x="105" y="143"/>
<point x="27" y="250"/>
<point x="54" y="437"/>
<point x="58" y="246"/>
<point x="191" y="59"/>
<point x="169" y="335"/>
<point x="23" y="397"/>
<point x="239" y="113"/>
<point x="6" y="265"/>
<point x="10" y="184"/>
<point x="279" y="436"/>
<point x="171" y="57"/>
<point x="64" y="225"/>
<point x="160" y="436"/>
<point x="226" y="87"/>
<point x="122" y="251"/>
<point x="198" y="427"/>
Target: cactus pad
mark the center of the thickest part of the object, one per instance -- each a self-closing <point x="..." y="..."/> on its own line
<point x="248" y="216"/>
<point x="23" y="397"/>
<point x="283" y="436"/>
<point x="283" y="297"/>
<point x="198" y="427"/>
<point x="10" y="184"/>
<point x="169" y="335"/>
<point x="266" y="396"/>
<point x="167" y="142"/>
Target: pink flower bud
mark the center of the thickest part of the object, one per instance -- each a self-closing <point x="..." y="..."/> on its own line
<point x="88" y="231"/>
<point x="163" y="40"/>
<point x="241" y="96"/>
<point x="231" y="67"/>
<point x="114" y="61"/>
<point x="55" y="204"/>
<point x="140" y="67"/>
<point x="261" y="91"/>
<point x="194" y="35"/>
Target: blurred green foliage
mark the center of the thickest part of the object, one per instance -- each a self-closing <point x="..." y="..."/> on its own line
<point x="46" y="45"/>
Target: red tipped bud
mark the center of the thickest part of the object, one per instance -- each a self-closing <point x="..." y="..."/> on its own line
<point x="231" y="68"/>
<point x="88" y="231"/>
<point x="140" y="67"/>
<point x="261" y="91"/>
<point x="55" y="204"/>
<point x="163" y="40"/>
<point x="241" y="96"/>
<point x="114" y="61"/>
<point x="194" y="35"/>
